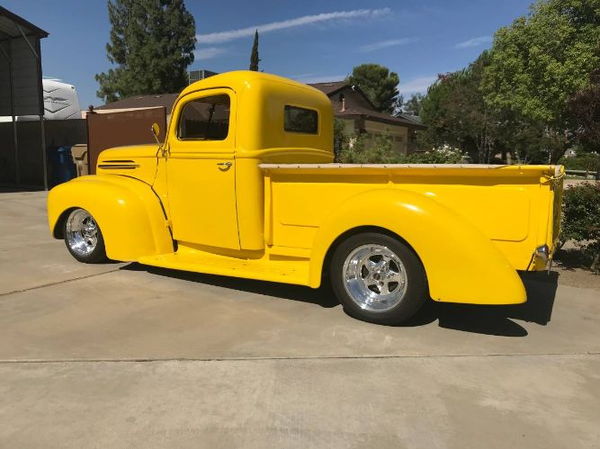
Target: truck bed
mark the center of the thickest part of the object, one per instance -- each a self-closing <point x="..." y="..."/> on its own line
<point x="512" y="205"/>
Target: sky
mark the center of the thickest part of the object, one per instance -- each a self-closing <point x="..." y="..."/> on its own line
<point x="309" y="40"/>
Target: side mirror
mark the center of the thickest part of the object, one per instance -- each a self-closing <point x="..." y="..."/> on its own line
<point x="155" y="132"/>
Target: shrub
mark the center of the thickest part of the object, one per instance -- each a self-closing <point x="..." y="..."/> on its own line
<point x="379" y="149"/>
<point x="440" y="155"/>
<point x="581" y="220"/>
<point x="586" y="161"/>
<point x="369" y="149"/>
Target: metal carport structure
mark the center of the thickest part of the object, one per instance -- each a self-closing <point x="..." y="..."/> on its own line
<point x="21" y="91"/>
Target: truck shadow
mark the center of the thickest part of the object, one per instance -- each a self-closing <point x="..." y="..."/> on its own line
<point x="322" y="296"/>
<point x="497" y="320"/>
<point x="489" y="320"/>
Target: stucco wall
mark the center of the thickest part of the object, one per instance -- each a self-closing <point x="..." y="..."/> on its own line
<point x="399" y="134"/>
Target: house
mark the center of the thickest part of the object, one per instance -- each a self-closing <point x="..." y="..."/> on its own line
<point x="140" y="102"/>
<point x="350" y="104"/>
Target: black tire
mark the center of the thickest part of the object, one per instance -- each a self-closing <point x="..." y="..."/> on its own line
<point x="98" y="254"/>
<point x="412" y="293"/>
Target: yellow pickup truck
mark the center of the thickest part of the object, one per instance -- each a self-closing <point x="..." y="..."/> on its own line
<point x="245" y="185"/>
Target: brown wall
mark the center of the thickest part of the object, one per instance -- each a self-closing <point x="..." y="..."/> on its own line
<point x="57" y="133"/>
<point x="122" y="128"/>
<point x="106" y="131"/>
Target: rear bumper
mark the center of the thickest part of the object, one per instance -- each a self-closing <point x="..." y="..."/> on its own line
<point x="540" y="259"/>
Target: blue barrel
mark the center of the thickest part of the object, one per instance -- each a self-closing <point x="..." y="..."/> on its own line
<point x="61" y="165"/>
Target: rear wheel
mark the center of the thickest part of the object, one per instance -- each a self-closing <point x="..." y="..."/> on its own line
<point x="378" y="278"/>
<point x="83" y="237"/>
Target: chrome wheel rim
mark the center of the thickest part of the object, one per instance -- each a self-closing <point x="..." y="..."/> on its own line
<point x="81" y="232"/>
<point x="375" y="278"/>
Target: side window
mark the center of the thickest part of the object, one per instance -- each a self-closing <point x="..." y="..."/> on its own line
<point x="205" y="119"/>
<point x="300" y="120"/>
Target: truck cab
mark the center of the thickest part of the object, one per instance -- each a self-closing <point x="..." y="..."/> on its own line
<point x="245" y="185"/>
<point x="218" y="137"/>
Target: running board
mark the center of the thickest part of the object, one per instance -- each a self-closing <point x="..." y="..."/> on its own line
<point x="274" y="268"/>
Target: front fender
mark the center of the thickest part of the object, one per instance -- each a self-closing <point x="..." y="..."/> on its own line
<point x="461" y="263"/>
<point x="126" y="209"/>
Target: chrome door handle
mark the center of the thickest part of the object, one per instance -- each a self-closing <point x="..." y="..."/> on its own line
<point x="224" y="166"/>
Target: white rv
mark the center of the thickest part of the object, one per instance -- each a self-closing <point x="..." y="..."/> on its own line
<point x="60" y="102"/>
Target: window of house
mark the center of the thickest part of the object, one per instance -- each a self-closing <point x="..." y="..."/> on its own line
<point x="300" y="120"/>
<point x="205" y="119"/>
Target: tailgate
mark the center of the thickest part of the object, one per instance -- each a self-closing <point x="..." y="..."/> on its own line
<point x="556" y="187"/>
<point x="552" y="185"/>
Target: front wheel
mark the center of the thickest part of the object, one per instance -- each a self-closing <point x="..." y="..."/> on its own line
<point x="377" y="278"/>
<point x="83" y="237"/>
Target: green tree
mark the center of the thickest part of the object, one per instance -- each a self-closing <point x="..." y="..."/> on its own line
<point x="540" y="60"/>
<point x="254" y="59"/>
<point x="584" y="107"/>
<point x="581" y="220"/>
<point x="456" y="114"/>
<point x="413" y="104"/>
<point x="151" y="45"/>
<point x="379" y="85"/>
<point x="529" y="141"/>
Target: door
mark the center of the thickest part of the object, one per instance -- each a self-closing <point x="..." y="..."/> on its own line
<point x="201" y="170"/>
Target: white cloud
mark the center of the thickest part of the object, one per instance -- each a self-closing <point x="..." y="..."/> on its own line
<point x="419" y="85"/>
<point x="475" y="42"/>
<point x="386" y="44"/>
<point x="208" y="52"/>
<point x="226" y="36"/>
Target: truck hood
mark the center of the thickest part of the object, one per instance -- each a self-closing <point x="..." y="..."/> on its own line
<point x="136" y="161"/>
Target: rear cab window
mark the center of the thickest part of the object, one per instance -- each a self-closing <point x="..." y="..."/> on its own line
<point x="300" y="120"/>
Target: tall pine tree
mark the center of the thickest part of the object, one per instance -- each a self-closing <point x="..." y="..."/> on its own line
<point x="254" y="59"/>
<point x="151" y="44"/>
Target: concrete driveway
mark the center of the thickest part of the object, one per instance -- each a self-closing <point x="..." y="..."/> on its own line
<point x="122" y="356"/>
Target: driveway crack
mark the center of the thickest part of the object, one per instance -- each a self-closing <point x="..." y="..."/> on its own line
<point x="300" y="358"/>
<point x="51" y="284"/>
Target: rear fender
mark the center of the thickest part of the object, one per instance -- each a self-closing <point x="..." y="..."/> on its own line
<point x="462" y="265"/>
<point x="128" y="212"/>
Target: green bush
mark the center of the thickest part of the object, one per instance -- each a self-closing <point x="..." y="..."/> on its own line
<point x="586" y="161"/>
<point x="581" y="220"/>
<point x="440" y="155"/>
<point x="369" y="149"/>
<point x="379" y="149"/>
